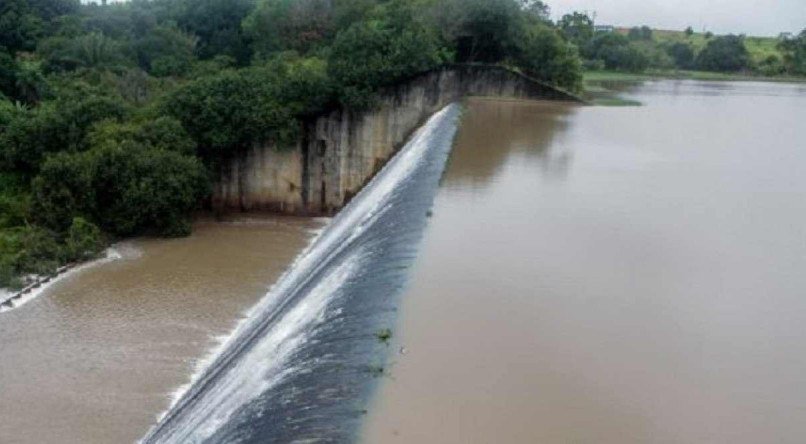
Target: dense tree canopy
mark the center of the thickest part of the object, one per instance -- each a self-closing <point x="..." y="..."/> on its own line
<point x="577" y="27"/>
<point x="682" y="54"/>
<point x="368" y="55"/>
<point x="724" y="53"/>
<point x="795" y="54"/>
<point x="617" y="52"/>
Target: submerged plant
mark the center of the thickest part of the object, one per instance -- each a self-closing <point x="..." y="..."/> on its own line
<point x="384" y="335"/>
<point x="376" y="370"/>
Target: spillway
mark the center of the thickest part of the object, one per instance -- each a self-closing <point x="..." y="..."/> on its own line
<point x="302" y="365"/>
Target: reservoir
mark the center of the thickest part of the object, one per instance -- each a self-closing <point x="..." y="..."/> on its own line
<point x="611" y="275"/>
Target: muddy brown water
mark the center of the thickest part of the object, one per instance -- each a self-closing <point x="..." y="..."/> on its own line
<point x="95" y="358"/>
<point x="611" y="275"/>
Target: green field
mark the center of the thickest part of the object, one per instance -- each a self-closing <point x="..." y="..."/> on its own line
<point x="759" y="47"/>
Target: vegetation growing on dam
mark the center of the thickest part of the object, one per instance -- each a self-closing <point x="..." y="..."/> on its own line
<point x="114" y="117"/>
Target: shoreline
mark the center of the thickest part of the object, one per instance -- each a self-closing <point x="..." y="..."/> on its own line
<point x="607" y="75"/>
<point x="597" y="91"/>
<point x="15" y="299"/>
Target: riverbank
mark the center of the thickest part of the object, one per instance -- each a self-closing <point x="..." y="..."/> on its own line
<point x="608" y="88"/>
<point x="11" y="299"/>
<point x="606" y="76"/>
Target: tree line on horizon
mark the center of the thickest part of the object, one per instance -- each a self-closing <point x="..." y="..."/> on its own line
<point x="639" y="49"/>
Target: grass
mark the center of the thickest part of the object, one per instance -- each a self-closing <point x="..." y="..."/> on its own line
<point x="602" y="76"/>
<point x="614" y="101"/>
<point x="759" y="47"/>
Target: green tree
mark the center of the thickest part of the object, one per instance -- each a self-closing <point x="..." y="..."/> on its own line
<point x="165" y="51"/>
<point x="8" y="74"/>
<point x="371" y="54"/>
<point x="617" y="52"/>
<point x="125" y="187"/>
<point x="724" y="54"/>
<point x="217" y="24"/>
<point x="545" y="55"/>
<point x="28" y="249"/>
<point x="59" y="125"/>
<point x="93" y="50"/>
<point x="83" y="241"/>
<point x="480" y="30"/>
<point x="772" y="65"/>
<point x="300" y="25"/>
<point x="8" y="112"/>
<point x="794" y="54"/>
<point x="165" y="133"/>
<point x="20" y="27"/>
<point x="682" y="54"/>
<point x="51" y="9"/>
<point x="642" y="33"/>
<point x="578" y="28"/>
<point x="230" y="111"/>
<point x="537" y="8"/>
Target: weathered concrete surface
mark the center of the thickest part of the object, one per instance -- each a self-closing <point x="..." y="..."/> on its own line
<point x="340" y="150"/>
<point x="262" y="178"/>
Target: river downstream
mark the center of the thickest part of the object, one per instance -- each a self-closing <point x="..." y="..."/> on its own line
<point x="611" y="275"/>
<point x="95" y="358"/>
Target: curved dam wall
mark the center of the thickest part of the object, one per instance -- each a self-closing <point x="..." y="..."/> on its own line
<point x="339" y="151"/>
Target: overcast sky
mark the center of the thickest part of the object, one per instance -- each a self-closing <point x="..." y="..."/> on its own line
<point x="752" y="17"/>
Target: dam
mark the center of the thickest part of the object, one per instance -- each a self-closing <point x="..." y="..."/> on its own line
<point x="301" y="365"/>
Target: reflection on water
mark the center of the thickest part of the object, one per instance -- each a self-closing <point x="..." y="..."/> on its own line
<point x="94" y="358"/>
<point x="532" y="128"/>
<point x="612" y="275"/>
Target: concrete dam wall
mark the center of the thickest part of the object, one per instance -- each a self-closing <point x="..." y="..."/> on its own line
<point x="340" y="150"/>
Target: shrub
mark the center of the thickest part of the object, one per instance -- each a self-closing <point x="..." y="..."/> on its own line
<point x="682" y="54"/>
<point x="544" y="54"/>
<point x="229" y="111"/>
<point x="165" y="51"/>
<point x="84" y="240"/>
<point x="55" y="126"/>
<point x="125" y="187"/>
<point x="617" y="52"/>
<point x="372" y="54"/>
<point x="724" y="54"/>
<point x="794" y="54"/>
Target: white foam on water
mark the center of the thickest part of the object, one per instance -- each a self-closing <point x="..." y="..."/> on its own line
<point x="251" y="376"/>
<point x="110" y="254"/>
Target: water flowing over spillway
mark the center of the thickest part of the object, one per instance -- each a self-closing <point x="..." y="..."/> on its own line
<point x="302" y="364"/>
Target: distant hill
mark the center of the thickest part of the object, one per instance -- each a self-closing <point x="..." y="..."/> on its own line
<point x="759" y="47"/>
